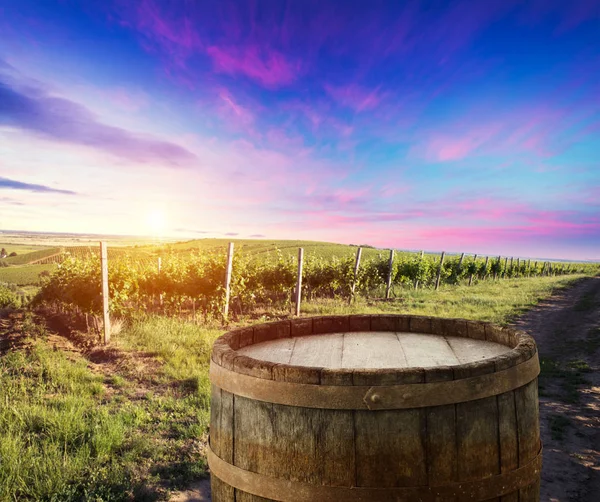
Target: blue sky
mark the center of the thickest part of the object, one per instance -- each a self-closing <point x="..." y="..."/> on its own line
<point x="463" y="126"/>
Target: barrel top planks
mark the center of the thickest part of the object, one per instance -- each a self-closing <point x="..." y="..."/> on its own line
<point x="374" y="349"/>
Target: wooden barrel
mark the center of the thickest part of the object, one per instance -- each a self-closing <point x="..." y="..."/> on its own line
<point x="374" y="408"/>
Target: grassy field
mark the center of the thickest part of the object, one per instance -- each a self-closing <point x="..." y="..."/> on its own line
<point x="71" y="433"/>
<point x="261" y="247"/>
<point x="494" y="301"/>
<point x="24" y="275"/>
<point x="132" y="423"/>
<point x="30" y="256"/>
<point x="20" y="248"/>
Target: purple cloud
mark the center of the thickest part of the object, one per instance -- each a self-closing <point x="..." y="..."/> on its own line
<point x="266" y="66"/>
<point x="59" y="119"/>
<point x="354" y="96"/>
<point x="5" y="183"/>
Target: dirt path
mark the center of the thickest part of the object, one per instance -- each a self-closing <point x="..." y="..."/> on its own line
<point x="567" y="330"/>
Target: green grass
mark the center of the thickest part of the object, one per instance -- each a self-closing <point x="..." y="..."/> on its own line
<point x="183" y="348"/>
<point x="21" y="248"/>
<point x="28" y="257"/>
<point x="68" y="434"/>
<point x="56" y="442"/>
<point x="498" y="302"/>
<point x="26" y="275"/>
<point x="570" y="378"/>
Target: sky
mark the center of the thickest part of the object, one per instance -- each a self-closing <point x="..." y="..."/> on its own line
<point x="440" y="125"/>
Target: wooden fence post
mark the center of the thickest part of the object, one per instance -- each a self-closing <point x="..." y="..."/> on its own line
<point x="518" y="266"/>
<point x="416" y="284"/>
<point x="105" y="306"/>
<point x="485" y="274"/>
<point x="498" y="266"/>
<point x="505" y="267"/>
<point x="228" y="279"/>
<point x="471" y="276"/>
<point x="389" y="277"/>
<point x="299" y="281"/>
<point x="356" y="265"/>
<point x="160" y="296"/>
<point x="439" y="274"/>
<point x="462" y="257"/>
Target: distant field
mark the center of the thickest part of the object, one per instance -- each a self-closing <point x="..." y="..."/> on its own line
<point x="264" y="247"/>
<point x="20" y="248"/>
<point x="27" y="257"/>
<point x="23" y="275"/>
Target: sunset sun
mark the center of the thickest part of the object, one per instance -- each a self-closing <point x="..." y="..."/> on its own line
<point x="156" y="221"/>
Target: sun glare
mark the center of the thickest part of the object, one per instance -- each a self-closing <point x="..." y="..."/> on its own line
<point x="156" y="221"/>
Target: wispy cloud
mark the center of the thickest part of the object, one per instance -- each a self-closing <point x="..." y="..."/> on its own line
<point x="35" y="110"/>
<point x="544" y="128"/>
<point x="266" y="66"/>
<point x="356" y="97"/>
<point x="9" y="201"/>
<point x="31" y="187"/>
<point x="173" y="34"/>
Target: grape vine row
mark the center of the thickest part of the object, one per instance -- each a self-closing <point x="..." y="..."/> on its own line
<point x="137" y="285"/>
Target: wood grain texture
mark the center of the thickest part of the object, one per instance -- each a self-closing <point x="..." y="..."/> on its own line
<point x="221" y="439"/>
<point x="434" y="446"/>
<point x="442" y="468"/>
<point x="391" y="448"/>
<point x="478" y="451"/>
<point x="371" y="349"/>
<point x="508" y="438"/>
<point x="427" y="350"/>
<point x="528" y="431"/>
<point x="307" y="445"/>
<point x="469" y="350"/>
<point x="319" y="351"/>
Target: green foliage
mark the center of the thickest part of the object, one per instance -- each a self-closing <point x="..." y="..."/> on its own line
<point x="28" y="257"/>
<point x="263" y="277"/>
<point x="8" y="299"/>
<point x="24" y="275"/>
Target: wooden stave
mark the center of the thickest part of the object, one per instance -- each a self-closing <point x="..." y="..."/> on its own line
<point x="523" y="348"/>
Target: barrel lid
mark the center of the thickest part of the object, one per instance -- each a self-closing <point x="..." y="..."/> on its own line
<point x="374" y="350"/>
<point x="388" y="349"/>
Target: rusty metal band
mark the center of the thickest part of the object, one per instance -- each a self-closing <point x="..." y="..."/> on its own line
<point x="380" y="397"/>
<point x="293" y="491"/>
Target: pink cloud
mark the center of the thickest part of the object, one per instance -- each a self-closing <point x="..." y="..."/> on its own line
<point x="279" y="138"/>
<point x="266" y="66"/>
<point x="390" y="190"/>
<point x="233" y="110"/>
<point x="541" y="130"/>
<point x="356" y="97"/>
<point x="446" y="147"/>
<point x="126" y="99"/>
<point x="173" y="34"/>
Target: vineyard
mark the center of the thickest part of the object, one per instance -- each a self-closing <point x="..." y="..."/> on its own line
<point x="193" y="282"/>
